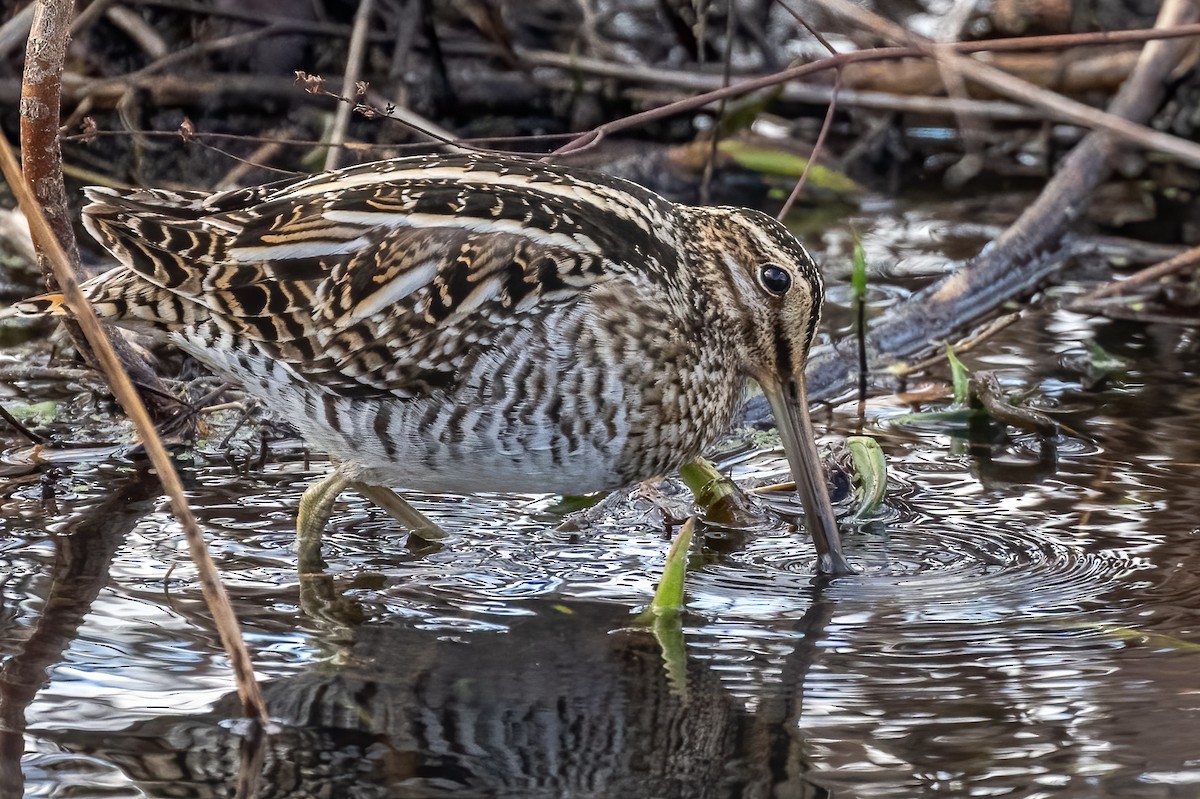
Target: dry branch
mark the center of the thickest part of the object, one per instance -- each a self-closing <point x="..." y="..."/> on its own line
<point x="89" y="324"/>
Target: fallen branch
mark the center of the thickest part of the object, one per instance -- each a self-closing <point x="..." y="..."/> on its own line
<point x="1030" y="250"/>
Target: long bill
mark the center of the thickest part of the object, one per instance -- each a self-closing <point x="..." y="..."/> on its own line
<point x="789" y="403"/>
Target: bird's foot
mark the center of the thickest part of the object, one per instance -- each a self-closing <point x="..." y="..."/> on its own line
<point x="316" y="506"/>
<point x="399" y="509"/>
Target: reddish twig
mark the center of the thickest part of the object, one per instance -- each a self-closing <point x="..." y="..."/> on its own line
<point x="41" y="94"/>
<point x="826" y="123"/>
<point x="1058" y="106"/>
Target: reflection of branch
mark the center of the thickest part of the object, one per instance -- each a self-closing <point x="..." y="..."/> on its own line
<point x="81" y="570"/>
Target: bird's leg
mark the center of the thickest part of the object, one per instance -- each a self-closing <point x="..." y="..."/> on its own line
<point x="316" y="506"/>
<point x="723" y="502"/>
<point x="320" y="598"/>
<point x="399" y="509"/>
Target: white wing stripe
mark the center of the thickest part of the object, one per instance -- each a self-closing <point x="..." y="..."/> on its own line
<point x="394" y="290"/>
<point x="577" y="243"/>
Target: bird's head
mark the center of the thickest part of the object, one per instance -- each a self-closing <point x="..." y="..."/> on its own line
<point x="773" y="294"/>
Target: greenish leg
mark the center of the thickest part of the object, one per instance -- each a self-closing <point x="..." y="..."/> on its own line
<point x="316" y="506"/>
<point x="722" y="500"/>
<point x="399" y="509"/>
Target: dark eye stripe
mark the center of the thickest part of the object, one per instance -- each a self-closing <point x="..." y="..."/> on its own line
<point x="783" y="350"/>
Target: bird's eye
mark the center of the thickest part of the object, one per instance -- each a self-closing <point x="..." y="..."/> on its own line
<point x="775" y="279"/>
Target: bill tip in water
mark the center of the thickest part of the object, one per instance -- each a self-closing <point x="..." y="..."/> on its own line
<point x="830" y="564"/>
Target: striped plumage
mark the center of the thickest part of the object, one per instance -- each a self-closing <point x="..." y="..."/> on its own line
<point x="468" y="323"/>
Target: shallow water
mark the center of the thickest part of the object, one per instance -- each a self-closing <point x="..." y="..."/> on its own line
<point x="1026" y="622"/>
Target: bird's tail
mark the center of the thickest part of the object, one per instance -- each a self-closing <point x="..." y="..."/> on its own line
<point x="53" y="304"/>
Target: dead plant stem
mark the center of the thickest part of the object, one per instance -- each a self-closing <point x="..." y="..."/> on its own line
<point x="214" y="592"/>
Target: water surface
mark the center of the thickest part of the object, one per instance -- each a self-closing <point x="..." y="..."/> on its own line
<point x="1026" y="621"/>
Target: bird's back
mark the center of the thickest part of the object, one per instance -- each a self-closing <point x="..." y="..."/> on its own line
<point x="478" y="321"/>
<point x="380" y="278"/>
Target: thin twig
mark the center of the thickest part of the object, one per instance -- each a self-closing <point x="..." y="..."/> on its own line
<point x="354" y="63"/>
<point x="214" y="592"/>
<point x="812" y="31"/>
<point x="1116" y="288"/>
<point x="826" y="123"/>
<point x="315" y="84"/>
<point x="1052" y="103"/>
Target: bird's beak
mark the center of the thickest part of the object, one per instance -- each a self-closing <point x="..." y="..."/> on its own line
<point x="789" y="403"/>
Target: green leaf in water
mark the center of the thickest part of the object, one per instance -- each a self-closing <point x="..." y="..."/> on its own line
<point x="663" y="617"/>
<point x="668" y="597"/>
<point x="570" y="503"/>
<point x="870" y="474"/>
<point x="961" y="376"/>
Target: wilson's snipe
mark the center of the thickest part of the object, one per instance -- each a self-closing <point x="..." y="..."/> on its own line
<point x="472" y="324"/>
